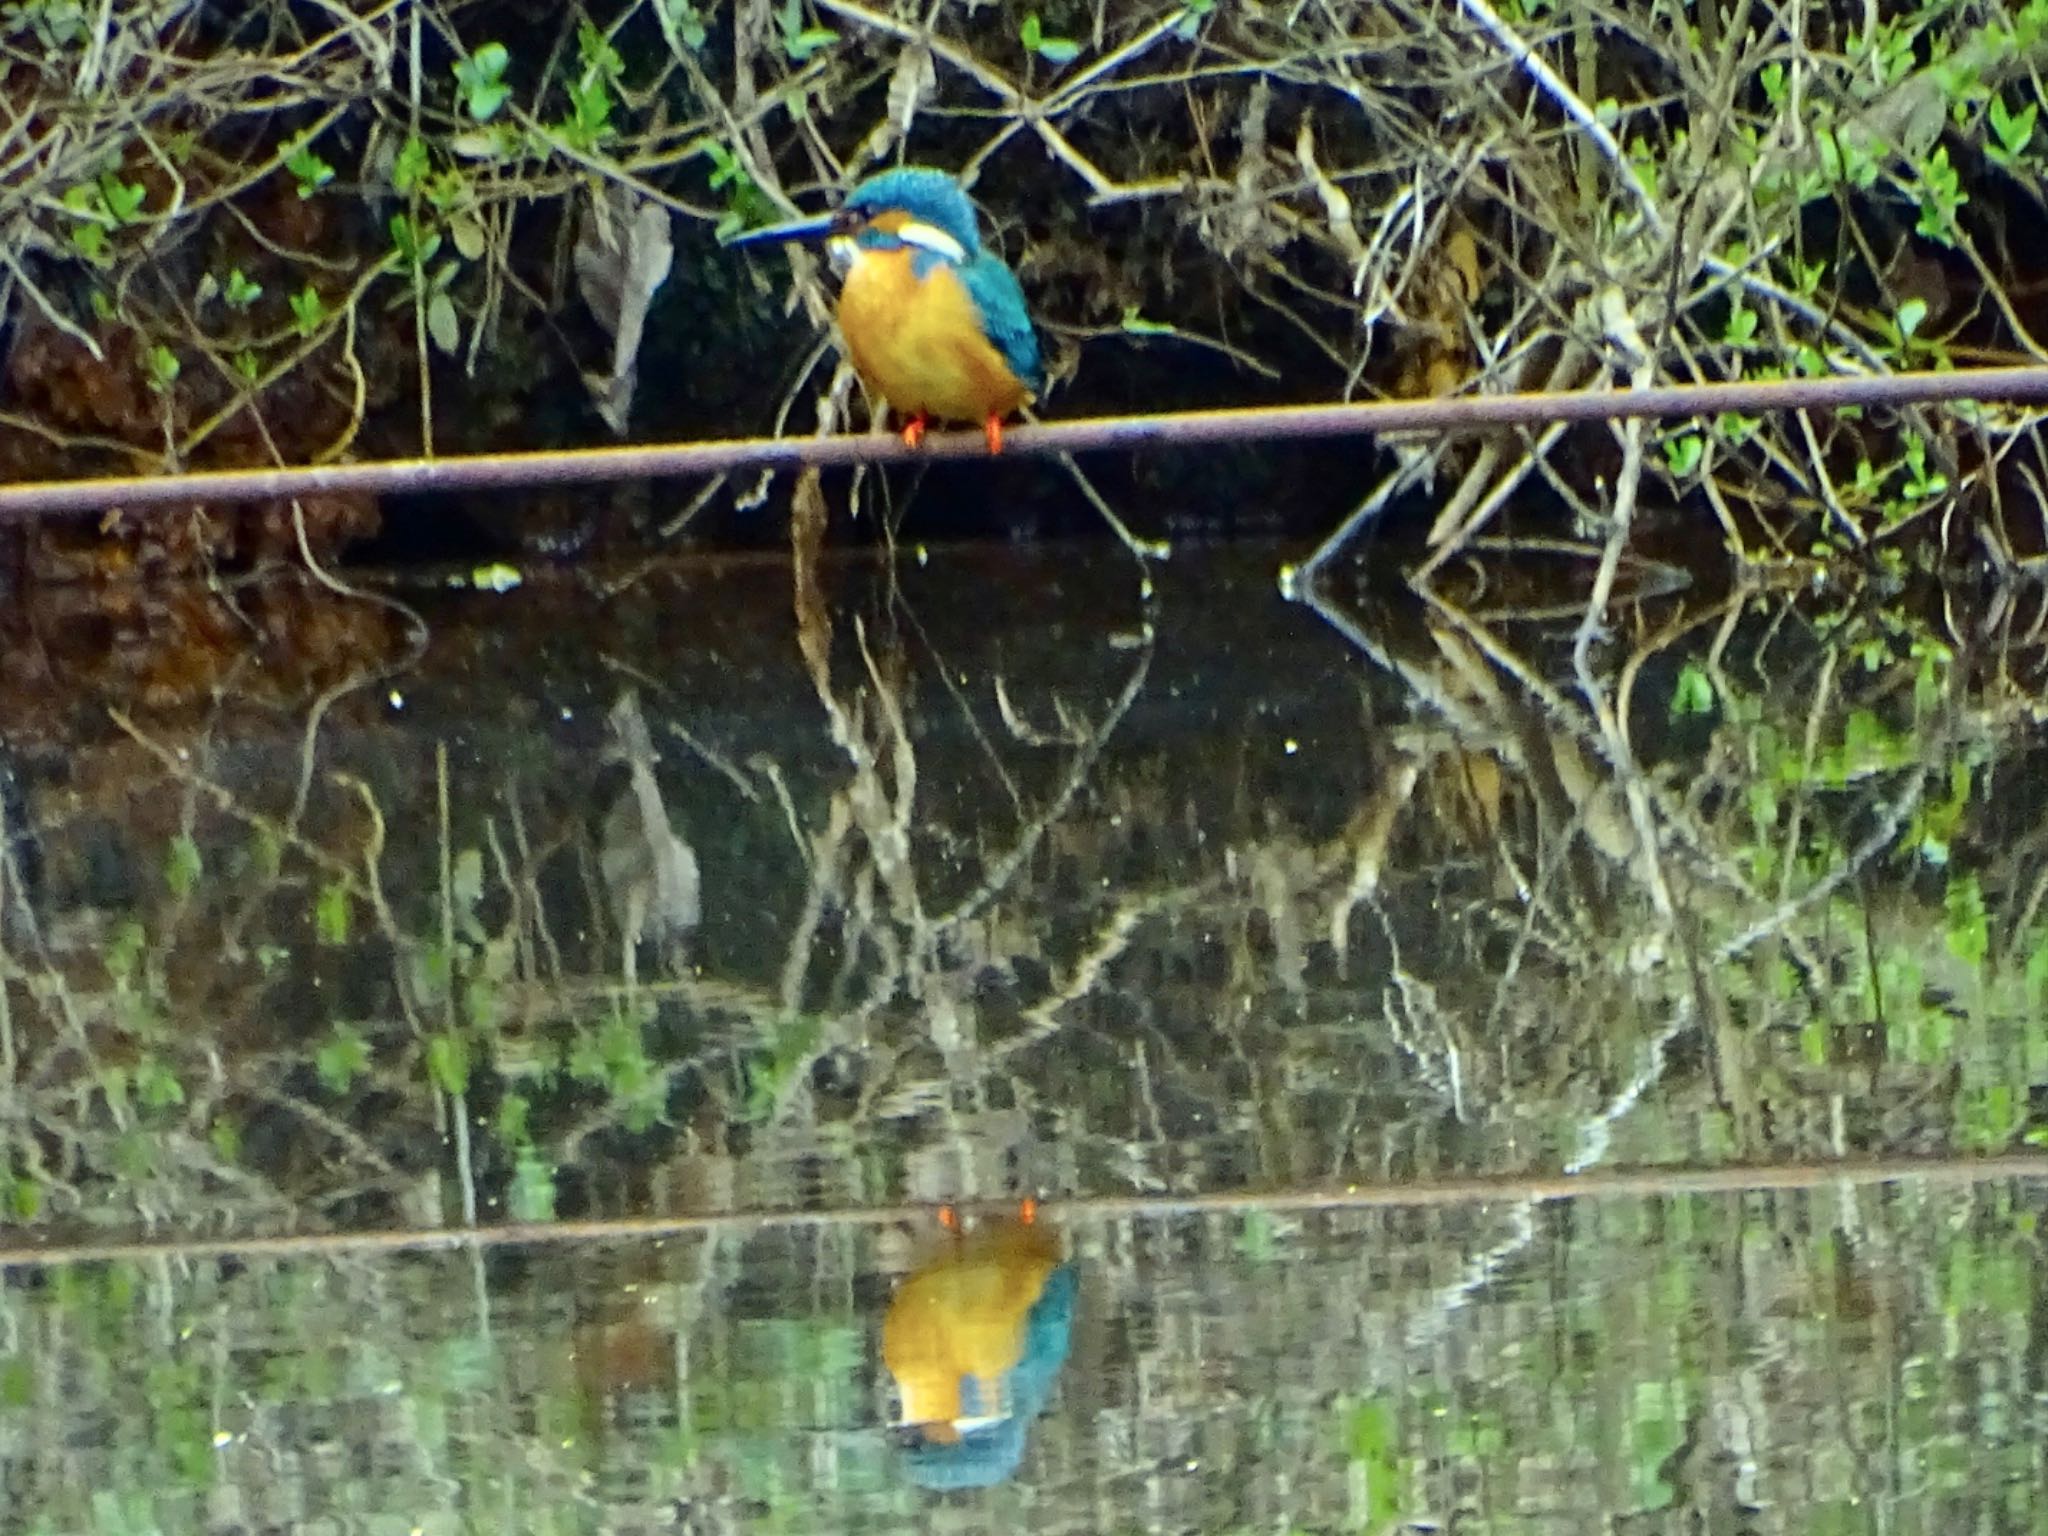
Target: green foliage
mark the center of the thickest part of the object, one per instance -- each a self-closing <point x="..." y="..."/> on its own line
<point x="532" y="1195"/>
<point x="342" y="1057"/>
<point x="682" y="24"/>
<point x="448" y="1063"/>
<point x="1372" y="1442"/>
<point x="1968" y="934"/>
<point x="163" y="367"/>
<point x="480" y="79"/>
<point x="1693" y="693"/>
<point x="309" y="310"/>
<point x="800" y="39"/>
<point x="1683" y="453"/>
<point x="308" y="169"/>
<point x="1054" y="50"/>
<point x="332" y="914"/>
<point x="1941" y="197"/>
<point x="156" y="1085"/>
<point x="182" y="865"/>
<point x="241" y="291"/>
<point x="2011" y="132"/>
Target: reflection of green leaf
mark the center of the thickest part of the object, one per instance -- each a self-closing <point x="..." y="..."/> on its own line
<point x="17" y="1382"/>
<point x="1655" y="1434"/>
<point x="532" y="1197"/>
<point x="1372" y="1441"/>
<point x="124" y="953"/>
<point x="1255" y="1239"/>
<point x="448" y="1064"/>
<point x="331" y="913"/>
<point x="1969" y="927"/>
<point x="183" y="866"/>
<point x="156" y="1085"/>
<point x="341" y="1058"/>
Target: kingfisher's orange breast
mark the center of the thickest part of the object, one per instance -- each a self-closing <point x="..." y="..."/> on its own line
<point x="963" y="1317"/>
<point x="917" y="342"/>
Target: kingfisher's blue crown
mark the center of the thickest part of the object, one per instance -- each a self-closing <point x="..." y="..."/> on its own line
<point x="929" y="196"/>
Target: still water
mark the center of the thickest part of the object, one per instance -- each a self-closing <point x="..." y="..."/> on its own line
<point x="1450" y="1063"/>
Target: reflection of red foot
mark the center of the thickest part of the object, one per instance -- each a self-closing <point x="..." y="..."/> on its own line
<point x="993" y="429"/>
<point x="1027" y="1210"/>
<point x="949" y="1217"/>
<point x="913" y="430"/>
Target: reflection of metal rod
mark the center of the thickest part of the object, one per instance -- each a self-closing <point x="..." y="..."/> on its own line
<point x="1642" y="1184"/>
<point x="1248" y="425"/>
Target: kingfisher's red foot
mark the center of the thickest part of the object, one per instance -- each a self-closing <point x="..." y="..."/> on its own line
<point x="913" y="430"/>
<point x="949" y="1218"/>
<point x="1027" y="1210"/>
<point x="993" y="427"/>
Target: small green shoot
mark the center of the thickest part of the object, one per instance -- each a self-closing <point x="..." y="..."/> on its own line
<point x="1054" y="50"/>
<point x="481" y="80"/>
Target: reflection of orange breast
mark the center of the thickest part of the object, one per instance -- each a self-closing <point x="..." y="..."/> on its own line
<point x="959" y="1321"/>
<point x="918" y="341"/>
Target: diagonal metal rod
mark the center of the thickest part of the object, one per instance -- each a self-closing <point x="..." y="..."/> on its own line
<point x="19" y="503"/>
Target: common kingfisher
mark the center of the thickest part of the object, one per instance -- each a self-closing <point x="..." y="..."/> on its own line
<point x="975" y="1338"/>
<point x="936" y="325"/>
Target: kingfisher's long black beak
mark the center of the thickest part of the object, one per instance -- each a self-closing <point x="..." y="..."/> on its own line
<point x="815" y="228"/>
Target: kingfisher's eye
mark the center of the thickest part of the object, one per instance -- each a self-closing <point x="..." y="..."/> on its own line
<point x="847" y="221"/>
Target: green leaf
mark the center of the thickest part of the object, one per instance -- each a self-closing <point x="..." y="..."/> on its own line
<point x="241" y="292"/>
<point x="1693" y="694"/>
<point x="123" y="198"/>
<point x="469" y="236"/>
<point x="1911" y="313"/>
<point x="442" y="323"/>
<point x="1683" y="453"/>
<point x="164" y="368"/>
<point x="809" y="41"/>
<point x="90" y="241"/>
<point x="482" y="79"/>
<point x="411" y="166"/>
<point x="1059" y="50"/>
<point x="311" y="172"/>
<point x="415" y="246"/>
<point x="2013" y="129"/>
<point x="308" y="309"/>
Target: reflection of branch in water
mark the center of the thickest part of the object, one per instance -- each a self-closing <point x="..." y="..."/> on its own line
<point x="1594" y="1137"/>
<point x="1004" y="870"/>
<point x="1524" y="1191"/>
<point x="649" y="871"/>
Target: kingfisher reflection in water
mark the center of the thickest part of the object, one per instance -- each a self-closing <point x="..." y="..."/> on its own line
<point x="975" y="1338"/>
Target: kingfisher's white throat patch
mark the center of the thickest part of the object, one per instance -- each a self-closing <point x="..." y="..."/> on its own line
<point x="929" y="237"/>
<point x="840" y="251"/>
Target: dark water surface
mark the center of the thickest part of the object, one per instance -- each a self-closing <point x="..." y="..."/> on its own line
<point x="815" y="900"/>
